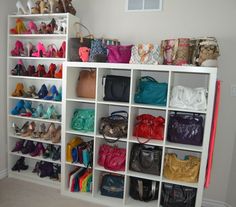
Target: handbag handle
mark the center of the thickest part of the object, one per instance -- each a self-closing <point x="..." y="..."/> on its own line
<point x="120" y="112"/>
<point x="145" y="78"/>
<point x="79" y="34"/>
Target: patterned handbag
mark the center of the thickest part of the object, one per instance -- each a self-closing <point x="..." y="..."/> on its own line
<point x="145" y="54"/>
<point x="98" y="51"/>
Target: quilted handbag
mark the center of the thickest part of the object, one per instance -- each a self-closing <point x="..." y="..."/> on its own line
<point x="116" y="88"/>
<point x="143" y="190"/>
<point x="73" y="143"/>
<point x="115" y="125"/>
<point x="177" y="196"/>
<point x="149" y="127"/>
<point x="188" y="98"/>
<point x="145" y="159"/>
<point x="119" y="53"/>
<point x="83" y="120"/>
<point x="181" y="170"/>
<point x="145" y="54"/>
<point x="150" y="91"/>
<point x="98" y="52"/>
<point x="112" y="186"/>
<point x="185" y="129"/>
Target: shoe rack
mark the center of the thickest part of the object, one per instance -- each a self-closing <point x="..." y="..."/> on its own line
<point x="188" y="76"/>
<point x="14" y="120"/>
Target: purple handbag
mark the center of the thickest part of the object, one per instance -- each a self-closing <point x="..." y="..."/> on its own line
<point x="119" y="53"/>
<point x="185" y="129"/>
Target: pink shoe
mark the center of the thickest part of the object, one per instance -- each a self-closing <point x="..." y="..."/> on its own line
<point x="51" y="51"/>
<point x="30" y="49"/>
<point x="32" y="28"/>
<point x="61" y="53"/>
<point x="41" y="50"/>
<point x="18" y="50"/>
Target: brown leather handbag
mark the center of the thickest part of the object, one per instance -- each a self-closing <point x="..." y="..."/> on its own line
<point x="181" y="170"/>
<point x="86" y="84"/>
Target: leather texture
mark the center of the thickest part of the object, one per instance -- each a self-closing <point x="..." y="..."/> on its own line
<point x="86" y="84"/>
<point x="181" y="170"/>
<point x="119" y="53"/>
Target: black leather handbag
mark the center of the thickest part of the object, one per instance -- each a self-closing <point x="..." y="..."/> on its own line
<point x="116" y="88"/>
<point x="143" y="190"/>
<point x="177" y="196"/>
<point x="145" y="159"/>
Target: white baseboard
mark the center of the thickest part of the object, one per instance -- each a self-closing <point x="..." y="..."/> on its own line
<point x="213" y="203"/>
<point x="3" y="174"/>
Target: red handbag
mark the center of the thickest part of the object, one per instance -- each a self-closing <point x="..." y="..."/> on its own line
<point x="112" y="158"/>
<point x="149" y="127"/>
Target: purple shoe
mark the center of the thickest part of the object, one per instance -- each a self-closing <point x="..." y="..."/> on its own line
<point x="28" y="148"/>
<point x="39" y="150"/>
<point x="19" y="145"/>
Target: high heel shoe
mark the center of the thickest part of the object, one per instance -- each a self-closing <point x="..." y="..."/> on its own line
<point x="40" y="71"/>
<point x="58" y="97"/>
<point x="30" y="49"/>
<point x="37" y="133"/>
<point x="40" y="50"/>
<point x="51" y="51"/>
<point x="62" y="51"/>
<point x="53" y="5"/>
<point x="30" y="6"/>
<point x="28" y="147"/>
<point x="29" y="110"/>
<point x="31" y="70"/>
<point x="43" y="92"/>
<point x="18" y="131"/>
<point x="39" y="150"/>
<point x="32" y="28"/>
<point x="19" y="108"/>
<point x="18" y="50"/>
<point x="20" y="165"/>
<point x="20" y="8"/>
<point x="59" y="73"/>
<point x="56" y="138"/>
<point x="36" y="168"/>
<point x="30" y="93"/>
<point x="56" y="173"/>
<point x="56" y="153"/>
<point x="44" y="7"/>
<point x="51" y="26"/>
<point x="19" y="28"/>
<point x="33" y="7"/>
<point x="30" y="130"/>
<point x="48" y="152"/>
<point x="51" y="113"/>
<point x="19" y="91"/>
<point x="50" y="132"/>
<point x="61" y="26"/>
<point x="39" y="111"/>
<point x="19" y="69"/>
<point x="52" y="93"/>
<point x="18" y="146"/>
<point x="51" y="71"/>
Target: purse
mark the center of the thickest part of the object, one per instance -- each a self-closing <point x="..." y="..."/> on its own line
<point x="181" y="170"/>
<point x="86" y="84"/>
<point x="149" y="127"/>
<point x="112" y="186"/>
<point x="177" y="196"/>
<point x="119" y="53"/>
<point x="143" y="190"/>
<point x="98" y="52"/>
<point x="145" y="54"/>
<point x="83" y="120"/>
<point x="188" y="98"/>
<point x="185" y="129"/>
<point x="70" y="146"/>
<point x="145" y="159"/>
<point x="115" y="125"/>
<point x="112" y="158"/>
<point x="116" y="88"/>
<point x="150" y="91"/>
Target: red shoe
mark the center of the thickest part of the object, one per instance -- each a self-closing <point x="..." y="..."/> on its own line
<point x="59" y="73"/>
<point x="40" y="71"/>
<point x="51" y="71"/>
<point x="31" y="70"/>
<point x="18" y="50"/>
<point x="51" y="51"/>
<point x="41" y="51"/>
<point x="61" y="53"/>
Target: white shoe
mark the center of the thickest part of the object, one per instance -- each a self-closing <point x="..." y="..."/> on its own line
<point x="20" y="8"/>
<point x="30" y="5"/>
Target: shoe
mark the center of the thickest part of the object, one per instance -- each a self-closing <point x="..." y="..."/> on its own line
<point x="52" y="4"/>
<point x="56" y="153"/>
<point x="59" y="73"/>
<point x="20" y="165"/>
<point x="30" y="49"/>
<point x="51" y="26"/>
<point x="56" y="138"/>
<point x="52" y="93"/>
<point x="68" y="7"/>
<point x="62" y="51"/>
<point x="19" y="91"/>
<point x="40" y="50"/>
<point x="43" y="7"/>
<point x="30" y="130"/>
<point x="19" y="108"/>
<point x="18" y="50"/>
<point x="19" y="145"/>
<point x="38" y="133"/>
<point x="38" y="112"/>
<point x="28" y="109"/>
<point x="48" y="152"/>
<point x="31" y="70"/>
<point x="56" y="173"/>
<point x="51" y="71"/>
<point x="39" y="150"/>
<point x="36" y="168"/>
<point x="19" y="28"/>
<point x="16" y="129"/>
<point x="19" y="69"/>
<point x="42" y="28"/>
<point x="42" y="92"/>
<point x="45" y="169"/>
<point x="51" y="113"/>
<point x="40" y="71"/>
<point x="30" y="93"/>
<point x="33" y="7"/>
<point x="20" y="8"/>
<point x="59" y="96"/>
<point x="50" y="132"/>
<point x="32" y="28"/>
<point x="28" y="147"/>
<point x="51" y="51"/>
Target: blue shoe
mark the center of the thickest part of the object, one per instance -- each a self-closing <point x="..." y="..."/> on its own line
<point x="38" y="112"/>
<point x="59" y="96"/>
<point x="19" y="108"/>
<point x="43" y="92"/>
<point x="52" y="93"/>
<point x="51" y="113"/>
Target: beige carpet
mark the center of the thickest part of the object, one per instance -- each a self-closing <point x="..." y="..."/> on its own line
<point x="16" y="193"/>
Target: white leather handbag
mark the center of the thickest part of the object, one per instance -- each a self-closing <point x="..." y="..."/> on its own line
<point x="188" y="98"/>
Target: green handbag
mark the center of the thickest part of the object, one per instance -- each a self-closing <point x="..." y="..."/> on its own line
<point x="83" y="120"/>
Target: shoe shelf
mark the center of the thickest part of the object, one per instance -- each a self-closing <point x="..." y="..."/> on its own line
<point x="37" y="36"/>
<point x="40" y="17"/>
<point x="36" y="100"/>
<point x="35" y="119"/>
<point x="34" y="78"/>
<point x="38" y="58"/>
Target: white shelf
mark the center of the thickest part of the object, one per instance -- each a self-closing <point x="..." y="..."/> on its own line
<point x="112" y="138"/>
<point x="43" y="36"/>
<point x="143" y="175"/>
<point x="135" y="203"/>
<point x="113" y="103"/>
<point x="76" y="164"/>
<point x="35" y="158"/>
<point x="35" y="119"/>
<point x="184" y="147"/>
<point x="34" y="78"/>
<point x="38" y="16"/>
<point x="37" y="58"/>
<point x="150" y="142"/>
<point x="186" y="110"/>
<point x="192" y="185"/>
<point x="36" y="100"/>
<point x="34" y="140"/>
<point x="88" y="134"/>
<point x="149" y="106"/>
<point x="83" y="100"/>
<point x="100" y="168"/>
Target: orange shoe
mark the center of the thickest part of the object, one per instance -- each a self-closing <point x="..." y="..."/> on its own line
<point x="59" y="73"/>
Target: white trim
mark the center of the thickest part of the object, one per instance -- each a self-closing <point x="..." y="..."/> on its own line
<point x="3" y="174"/>
<point x="213" y="203"/>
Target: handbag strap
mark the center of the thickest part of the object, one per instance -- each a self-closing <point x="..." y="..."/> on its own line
<point x="78" y="34"/>
<point x="140" y="189"/>
<point x="110" y="140"/>
<point x="115" y="113"/>
<point x="146" y="141"/>
<point x="148" y="78"/>
<point x="153" y="192"/>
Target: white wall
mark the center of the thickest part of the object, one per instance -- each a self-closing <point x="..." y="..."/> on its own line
<point x="185" y="18"/>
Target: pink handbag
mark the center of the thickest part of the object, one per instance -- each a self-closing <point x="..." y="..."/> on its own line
<point x="119" y="53"/>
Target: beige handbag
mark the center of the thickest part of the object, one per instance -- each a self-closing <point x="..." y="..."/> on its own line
<point x="86" y="84"/>
<point x="181" y="170"/>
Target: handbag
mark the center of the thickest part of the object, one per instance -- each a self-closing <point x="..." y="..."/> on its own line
<point x="115" y="125"/>
<point x="119" y="53"/>
<point x="112" y="158"/>
<point x="83" y="120"/>
<point x="177" y="196"/>
<point x="98" y="52"/>
<point x="185" y="129"/>
<point x="149" y="127"/>
<point x="79" y="46"/>
<point x="150" y="91"/>
<point x="143" y="190"/>
<point x="181" y="170"/>
<point x="182" y="53"/>
<point x="145" y="54"/>
<point x="145" y="159"/>
<point x="116" y="88"/>
<point x="188" y="98"/>
<point x="112" y="186"/>
<point x="70" y="146"/>
<point x="86" y="84"/>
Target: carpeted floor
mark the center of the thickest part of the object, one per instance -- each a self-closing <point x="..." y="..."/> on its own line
<point x="16" y="193"/>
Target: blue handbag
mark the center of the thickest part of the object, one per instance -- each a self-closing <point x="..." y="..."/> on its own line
<point x="151" y="92"/>
<point x="98" y="51"/>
